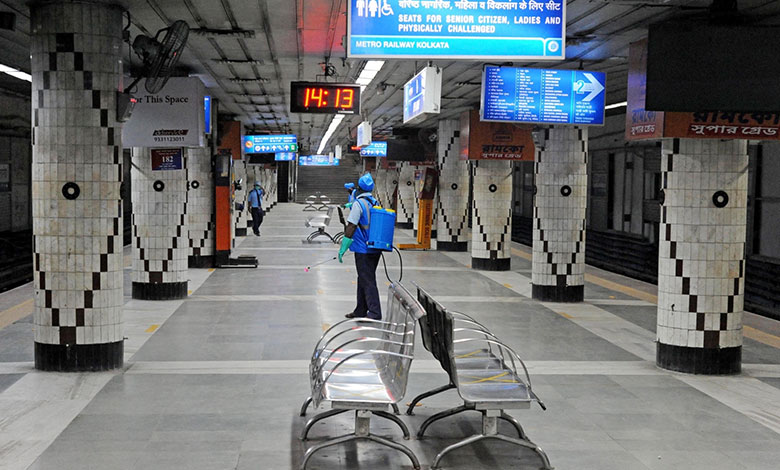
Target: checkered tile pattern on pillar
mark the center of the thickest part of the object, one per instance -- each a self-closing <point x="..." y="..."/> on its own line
<point x="379" y="176"/>
<point x="387" y="188"/>
<point x="406" y="196"/>
<point x="273" y="188"/>
<point x="560" y="202"/>
<point x="241" y="217"/>
<point x="701" y="264"/>
<point x="200" y="203"/>
<point x="453" y="195"/>
<point x="491" y="233"/>
<point x="160" y="230"/>
<point x="76" y="176"/>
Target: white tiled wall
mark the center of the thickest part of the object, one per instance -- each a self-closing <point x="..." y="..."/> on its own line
<point x="77" y="242"/>
<point x="559" y="220"/>
<point x="406" y="194"/>
<point x="241" y="217"/>
<point x="453" y="195"/>
<point x="200" y="202"/>
<point x="701" y="263"/>
<point x="491" y="230"/>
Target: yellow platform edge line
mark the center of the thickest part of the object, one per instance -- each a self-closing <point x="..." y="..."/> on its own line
<point x="16" y="313"/>
<point x="761" y="337"/>
<point x="152" y="328"/>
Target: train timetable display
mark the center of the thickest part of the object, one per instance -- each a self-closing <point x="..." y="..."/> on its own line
<point x="542" y="96"/>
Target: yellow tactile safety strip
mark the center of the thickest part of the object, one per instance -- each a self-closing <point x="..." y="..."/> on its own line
<point x="495" y="378"/>
<point x="463" y="356"/>
<point x="152" y="328"/>
<point x="748" y="332"/>
<point x="16" y="313"/>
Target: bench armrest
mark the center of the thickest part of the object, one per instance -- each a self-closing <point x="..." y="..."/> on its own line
<point x="488" y="335"/>
<point x="513" y="353"/>
<point x="352" y="320"/>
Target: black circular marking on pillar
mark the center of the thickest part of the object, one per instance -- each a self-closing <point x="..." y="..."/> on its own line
<point x="195" y="184"/>
<point x="454" y="186"/>
<point x="408" y="183"/>
<point x="720" y="199"/>
<point x="661" y="197"/>
<point x="566" y="191"/>
<point x="395" y="182"/>
<point x="158" y="186"/>
<point x="492" y="188"/>
<point x="71" y="191"/>
<point x="535" y="189"/>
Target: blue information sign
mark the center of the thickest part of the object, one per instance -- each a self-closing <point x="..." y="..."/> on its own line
<point x="317" y="160"/>
<point x="414" y="96"/>
<point x="457" y="29"/>
<point x="270" y="143"/>
<point x="285" y="156"/>
<point x="376" y="149"/>
<point x="207" y="113"/>
<point x="542" y="96"/>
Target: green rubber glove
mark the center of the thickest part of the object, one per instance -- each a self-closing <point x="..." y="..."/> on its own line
<point x="348" y="205"/>
<point x="345" y="243"/>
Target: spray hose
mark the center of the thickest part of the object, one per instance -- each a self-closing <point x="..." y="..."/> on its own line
<point x="400" y="261"/>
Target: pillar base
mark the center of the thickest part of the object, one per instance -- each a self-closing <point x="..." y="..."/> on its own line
<point x="240" y="232"/>
<point x="405" y="225"/>
<point x="452" y="246"/>
<point x="709" y="361"/>
<point x="558" y="293"/>
<point x="160" y="291"/>
<point x="484" y="264"/>
<point x="200" y="262"/>
<point x="79" y="357"/>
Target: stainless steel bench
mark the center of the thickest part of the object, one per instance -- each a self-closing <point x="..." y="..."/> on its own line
<point x="363" y="366"/>
<point x="482" y="369"/>
<point x="310" y="201"/>
<point x="320" y="222"/>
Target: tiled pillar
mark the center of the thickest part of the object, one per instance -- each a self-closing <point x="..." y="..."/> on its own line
<point x="560" y="202"/>
<point x="76" y="175"/>
<point x="701" y="263"/>
<point x="491" y="232"/>
<point x="453" y="195"/>
<point x="240" y="217"/>
<point x="406" y="197"/>
<point x="160" y="235"/>
<point x="379" y="184"/>
<point x="200" y="208"/>
<point x="273" y="184"/>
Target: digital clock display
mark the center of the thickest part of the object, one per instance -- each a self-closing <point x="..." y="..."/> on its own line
<point x="324" y="98"/>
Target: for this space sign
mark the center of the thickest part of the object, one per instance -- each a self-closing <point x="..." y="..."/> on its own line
<point x="167" y="159"/>
<point x="457" y="29"/>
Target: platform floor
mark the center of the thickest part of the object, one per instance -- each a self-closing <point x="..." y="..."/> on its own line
<point x="216" y="381"/>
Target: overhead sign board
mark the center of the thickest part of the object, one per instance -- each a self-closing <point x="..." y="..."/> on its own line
<point x="270" y="143"/>
<point x="207" y="113"/>
<point x="422" y="95"/>
<point x="317" y="160"/>
<point x="542" y="96"/>
<point x="173" y="117"/>
<point x="324" y="98"/>
<point x="375" y="149"/>
<point x="457" y="29"/>
<point x="363" y="134"/>
<point x="480" y="140"/>
<point x="285" y="156"/>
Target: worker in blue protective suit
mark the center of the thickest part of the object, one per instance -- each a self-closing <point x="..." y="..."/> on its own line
<point x="350" y="187"/>
<point x="366" y="259"/>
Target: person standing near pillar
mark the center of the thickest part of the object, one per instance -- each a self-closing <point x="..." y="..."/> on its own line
<point x="76" y="178"/>
<point x="366" y="259"/>
<point x="255" y="201"/>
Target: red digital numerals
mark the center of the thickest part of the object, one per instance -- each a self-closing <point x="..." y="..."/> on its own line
<point x="317" y="97"/>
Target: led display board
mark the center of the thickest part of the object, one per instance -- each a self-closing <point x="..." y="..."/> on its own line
<point x="270" y="143"/>
<point x="542" y="96"/>
<point x="375" y="149"/>
<point x="457" y="29"/>
<point x="317" y="160"/>
<point x="207" y="113"/>
<point x="324" y="98"/>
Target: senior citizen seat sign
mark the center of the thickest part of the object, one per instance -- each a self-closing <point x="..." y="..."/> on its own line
<point x="457" y="29"/>
<point x="543" y="96"/>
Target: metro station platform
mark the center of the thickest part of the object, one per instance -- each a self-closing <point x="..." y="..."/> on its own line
<point x="216" y="381"/>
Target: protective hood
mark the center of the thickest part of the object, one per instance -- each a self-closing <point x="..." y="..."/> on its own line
<point x="366" y="182"/>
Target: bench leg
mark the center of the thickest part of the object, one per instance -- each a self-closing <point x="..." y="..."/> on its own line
<point x="457" y="445"/>
<point x="395" y="409"/>
<point x="399" y="447"/>
<point x="440" y="415"/>
<point x="423" y="396"/>
<point x="305" y="405"/>
<point x="332" y="442"/>
<point x="514" y="423"/>
<point x="319" y="417"/>
<point x="396" y="420"/>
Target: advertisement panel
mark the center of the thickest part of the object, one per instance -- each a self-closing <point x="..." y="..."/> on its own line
<point x="539" y="96"/>
<point x="457" y="29"/>
<point x="174" y="117"/>
<point x="481" y="140"/>
<point x="640" y="123"/>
